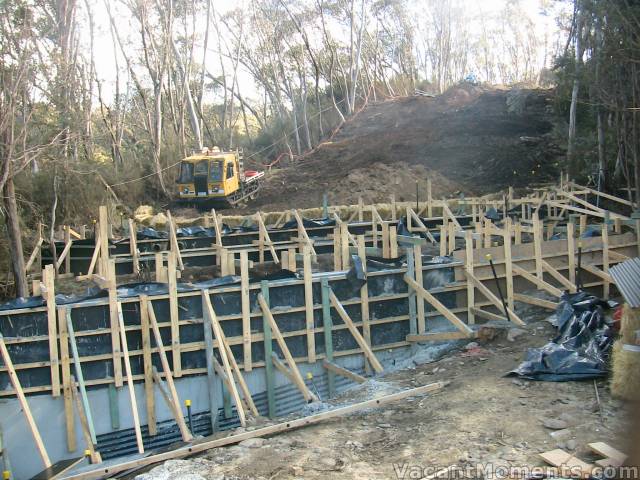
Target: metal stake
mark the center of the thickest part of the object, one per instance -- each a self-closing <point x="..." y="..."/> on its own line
<point x="495" y="277"/>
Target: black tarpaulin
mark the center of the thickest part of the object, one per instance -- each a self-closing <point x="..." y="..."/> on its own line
<point x="580" y="349"/>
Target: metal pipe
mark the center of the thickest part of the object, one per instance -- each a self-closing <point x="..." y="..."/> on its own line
<point x="187" y="403"/>
<point x="495" y="277"/>
<point x="579" y="268"/>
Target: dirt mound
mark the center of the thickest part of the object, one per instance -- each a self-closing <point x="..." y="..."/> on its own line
<point x="470" y="139"/>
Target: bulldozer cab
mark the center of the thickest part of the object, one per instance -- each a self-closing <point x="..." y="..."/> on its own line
<point x="208" y="176"/>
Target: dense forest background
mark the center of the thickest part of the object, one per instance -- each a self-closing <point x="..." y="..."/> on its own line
<point x="101" y="98"/>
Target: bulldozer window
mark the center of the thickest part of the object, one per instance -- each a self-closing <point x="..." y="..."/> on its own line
<point x="202" y="168"/>
<point x="215" y="171"/>
<point x="186" y="173"/>
<point x="229" y="171"/>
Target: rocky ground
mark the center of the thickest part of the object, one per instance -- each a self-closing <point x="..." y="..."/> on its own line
<point x="481" y="417"/>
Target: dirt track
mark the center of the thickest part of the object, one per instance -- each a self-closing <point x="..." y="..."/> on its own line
<point x="469" y="140"/>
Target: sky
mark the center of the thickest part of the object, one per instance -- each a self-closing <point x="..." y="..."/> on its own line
<point x="104" y="52"/>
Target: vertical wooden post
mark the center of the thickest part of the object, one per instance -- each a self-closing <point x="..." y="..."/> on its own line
<point x="308" y="304"/>
<point x="606" y="286"/>
<point x="452" y="237"/>
<point x="583" y="224"/>
<point x="174" y="314"/>
<point x="261" y="239"/>
<point x="292" y="259"/>
<point x="537" y="244"/>
<point x="417" y="254"/>
<point x="337" y="249"/>
<point x="364" y="296"/>
<point x="393" y="242"/>
<point x="268" y="352"/>
<point x="518" y="233"/>
<point x="360" y="210"/>
<point x="327" y="324"/>
<point x="385" y="240"/>
<point x="113" y="322"/>
<point x="413" y="324"/>
<point x="344" y="243"/>
<point x="443" y="240"/>
<point x="104" y="241"/>
<point x="468" y="238"/>
<point x="246" y="311"/>
<point x="52" y="329"/>
<point x="211" y="374"/>
<point x="67" y="241"/>
<point x="159" y="264"/>
<point x="132" y="394"/>
<point x="571" y="251"/>
<point x="488" y="226"/>
<point x="617" y="225"/>
<point x="66" y="380"/>
<point x="508" y="265"/>
<point x="147" y="366"/>
<point x="133" y="247"/>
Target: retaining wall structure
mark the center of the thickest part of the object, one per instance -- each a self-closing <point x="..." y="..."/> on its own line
<point x="111" y="373"/>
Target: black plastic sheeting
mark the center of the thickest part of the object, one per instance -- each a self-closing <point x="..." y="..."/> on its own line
<point x="581" y="348"/>
<point x="149" y="233"/>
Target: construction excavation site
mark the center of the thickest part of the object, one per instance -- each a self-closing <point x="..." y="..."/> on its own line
<point x="404" y="339"/>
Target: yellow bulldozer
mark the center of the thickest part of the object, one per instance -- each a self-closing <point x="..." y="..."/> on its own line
<point x="214" y="178"/>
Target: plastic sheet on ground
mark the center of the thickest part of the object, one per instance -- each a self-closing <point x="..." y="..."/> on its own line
<point x="580" y="349"/>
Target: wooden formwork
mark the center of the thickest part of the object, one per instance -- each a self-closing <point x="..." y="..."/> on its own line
<point x="334" y="320"/>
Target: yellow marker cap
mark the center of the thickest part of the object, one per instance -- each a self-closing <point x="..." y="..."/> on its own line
<point x="488" y="256"/>
<point x="87" y="453"/>
<point x="187" y="403"/>
<point x="579" y="244"/>
<point x="6" y="475"/>
<point x="309" y="375"/>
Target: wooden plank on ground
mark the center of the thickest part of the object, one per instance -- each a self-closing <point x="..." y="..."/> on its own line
<point x="608" y="452"/>
<point x="110" y="470"/>
<point x="568" y="464"/>
<point x="58" y="469"/>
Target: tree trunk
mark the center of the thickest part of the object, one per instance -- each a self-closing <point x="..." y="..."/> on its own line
<point x="573" y="168"/>
<point x="15" y="239"/>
